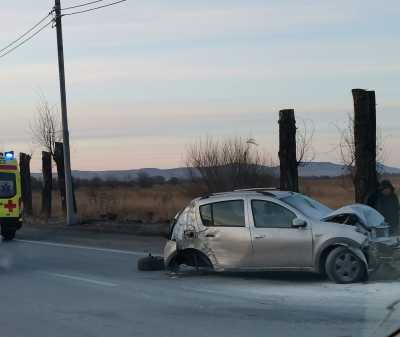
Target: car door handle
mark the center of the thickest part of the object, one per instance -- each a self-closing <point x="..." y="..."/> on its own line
<point x="260" y="236"/>
<point x="210" y="235"/>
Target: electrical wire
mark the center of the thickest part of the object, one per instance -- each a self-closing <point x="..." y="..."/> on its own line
<point x="26" y="33"/>
<point x="82" y="5"/>
<point x="94" y="8"/>
<point x="27" y="39"/>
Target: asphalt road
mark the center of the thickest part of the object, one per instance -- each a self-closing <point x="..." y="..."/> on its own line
<point x="57" y="290"/>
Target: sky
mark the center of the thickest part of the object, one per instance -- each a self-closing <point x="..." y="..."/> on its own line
<point x="145" y="79"/>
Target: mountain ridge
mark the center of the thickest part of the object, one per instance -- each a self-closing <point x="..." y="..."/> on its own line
<point x="307" y="170"/>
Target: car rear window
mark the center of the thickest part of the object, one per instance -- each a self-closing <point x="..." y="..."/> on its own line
<point x="223" y="214"/>
<point x="7" y="185"/>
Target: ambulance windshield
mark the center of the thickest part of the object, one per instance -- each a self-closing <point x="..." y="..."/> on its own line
<point x="7" y="185"/>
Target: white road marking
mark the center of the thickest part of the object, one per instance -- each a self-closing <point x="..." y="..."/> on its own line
<point x="63" y="245"/>
<point x="83" y="279"/>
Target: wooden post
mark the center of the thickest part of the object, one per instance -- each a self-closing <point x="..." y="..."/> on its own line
<point x="26" y="189"/>
<point x="47" y="184"/>
<point x="289" y="180"/>
<point x="365" y="177"/>
<point x="59" y="159"/>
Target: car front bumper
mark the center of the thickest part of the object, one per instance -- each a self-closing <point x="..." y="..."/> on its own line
<point x="384" y="252"/>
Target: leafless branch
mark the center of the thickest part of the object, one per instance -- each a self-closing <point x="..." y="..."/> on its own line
<point x="46" y="127"/>
<point x="229" y="164"/>
<point x="305" y="152"/>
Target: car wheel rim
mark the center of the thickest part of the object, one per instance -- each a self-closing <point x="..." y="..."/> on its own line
<point x="347" y="267"/>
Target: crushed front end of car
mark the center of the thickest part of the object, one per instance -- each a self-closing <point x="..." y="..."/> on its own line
<point x="379" y="247"/>
<point x="384" y="251"/>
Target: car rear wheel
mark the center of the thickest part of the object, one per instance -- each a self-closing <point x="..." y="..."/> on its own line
<point x="343" y="266"/>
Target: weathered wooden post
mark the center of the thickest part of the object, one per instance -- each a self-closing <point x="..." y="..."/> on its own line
<point x="47" y="184"/>
<point x="289" y="180"/>
<point x="365" y="177"/>
<point x="59" y="160"/>
<point x="26" y="189"/>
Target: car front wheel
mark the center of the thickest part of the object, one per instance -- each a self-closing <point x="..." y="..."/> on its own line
<point x="343" y="266"/>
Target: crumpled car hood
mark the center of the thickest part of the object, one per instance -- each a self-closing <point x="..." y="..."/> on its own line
<point x="369" y="216"/>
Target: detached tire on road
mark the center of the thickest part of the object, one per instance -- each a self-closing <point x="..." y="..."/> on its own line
<point x="343" y="266"/>
<point x="151" y="263"/>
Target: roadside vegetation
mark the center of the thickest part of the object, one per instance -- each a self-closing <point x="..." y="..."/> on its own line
<point x="154" y="200"/>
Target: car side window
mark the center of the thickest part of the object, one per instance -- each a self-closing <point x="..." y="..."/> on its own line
<point x="267" y="214"/>
<point x="206" y="215"/>
<point x="223" y="214"/>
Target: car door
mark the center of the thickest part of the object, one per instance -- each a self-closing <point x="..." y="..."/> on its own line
<point x="276" y="244"/>
<point x="226" y="235"/>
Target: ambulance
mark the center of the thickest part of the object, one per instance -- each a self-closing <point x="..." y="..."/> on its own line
<point x="10" y="196"/>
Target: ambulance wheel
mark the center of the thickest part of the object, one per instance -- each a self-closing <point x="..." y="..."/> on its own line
<point x="8" y="234"/>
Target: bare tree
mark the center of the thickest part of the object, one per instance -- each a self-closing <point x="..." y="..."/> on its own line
<point x="305" y="152"/>
<point x="228" y="164"/>
<point x="46" y="132"/>
<point x="46" y="127"/>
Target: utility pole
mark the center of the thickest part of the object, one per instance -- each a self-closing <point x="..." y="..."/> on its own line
<point x="71" y="218"/>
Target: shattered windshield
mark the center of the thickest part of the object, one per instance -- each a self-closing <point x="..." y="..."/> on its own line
<point x="307" y="206"/>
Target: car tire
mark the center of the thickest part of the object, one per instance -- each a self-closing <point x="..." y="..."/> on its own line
<point x="343" y="266"/>
<point x="8" y="234"/>
<point x="151" y="263"/>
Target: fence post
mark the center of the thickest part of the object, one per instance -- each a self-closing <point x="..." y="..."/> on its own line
<point x="26" y="189"/>
<point x="365" y="177"/>
<point x="289" y="180"/>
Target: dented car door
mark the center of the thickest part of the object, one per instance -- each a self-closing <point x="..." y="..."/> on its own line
<point x="226" y="235"/>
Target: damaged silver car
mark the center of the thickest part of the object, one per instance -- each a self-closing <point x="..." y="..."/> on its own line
<point x="267" y="229"/>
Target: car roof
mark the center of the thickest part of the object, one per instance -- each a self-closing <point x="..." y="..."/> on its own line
<point x="254" y="192"/>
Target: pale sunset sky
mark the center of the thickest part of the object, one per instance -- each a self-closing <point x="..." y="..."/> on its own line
<point x="147" y="78"/>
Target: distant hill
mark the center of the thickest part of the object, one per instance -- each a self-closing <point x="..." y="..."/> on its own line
<point x="313" y="169"/>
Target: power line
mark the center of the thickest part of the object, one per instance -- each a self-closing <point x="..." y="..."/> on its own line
<point x="27" y="39"/>
<point x="95" y="8"/>
<point x="26" y="33"/>
<point x="82" y="5"/>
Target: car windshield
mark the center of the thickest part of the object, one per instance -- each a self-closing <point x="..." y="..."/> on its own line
<point x="308" y="206"/>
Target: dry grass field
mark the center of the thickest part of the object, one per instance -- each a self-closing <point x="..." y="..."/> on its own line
<point x="127" y="204"/>
<point x="160" y="203"/>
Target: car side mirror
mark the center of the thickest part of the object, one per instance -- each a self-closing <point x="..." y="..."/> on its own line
<point x="299" y="223"/>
